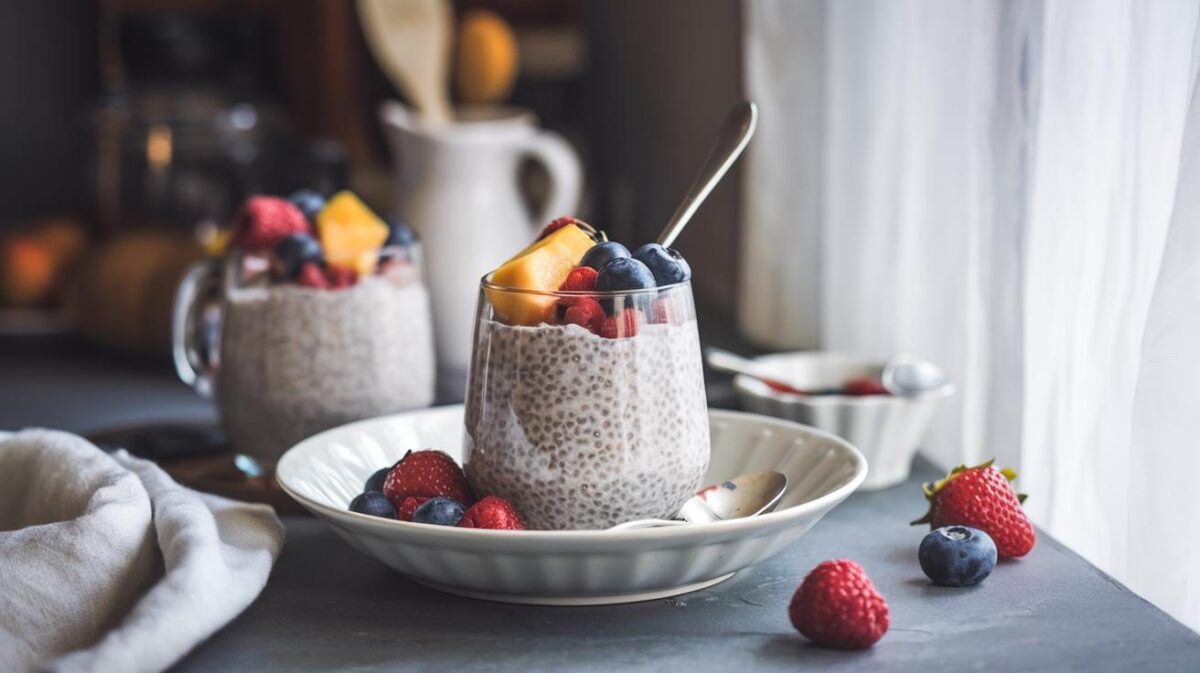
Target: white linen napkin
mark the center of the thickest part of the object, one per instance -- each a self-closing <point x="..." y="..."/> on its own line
<point x="107" y="564"/>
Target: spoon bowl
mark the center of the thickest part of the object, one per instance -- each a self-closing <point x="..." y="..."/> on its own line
<point x="744" y="496"/>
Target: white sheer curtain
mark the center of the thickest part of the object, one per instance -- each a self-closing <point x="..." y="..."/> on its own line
<point x="1012" y="189"/>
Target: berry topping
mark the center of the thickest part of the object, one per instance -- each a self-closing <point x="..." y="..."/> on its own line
<point x="603" y="253"/>
<point x="375" y="481"/>
<point x="295" y="251"/>
<point x="543" y="266"/>
<point x="311" y="275"/>
<point x="399" y="233"/>
<point x="624" y="324"/>
<point x="837" y="606"/>
<point x="581" y="279"/>
<point x="624" y="273"/>
<point x="265" y="221"/>
<point x="585" y="312"/>
<point x="492" y="512"/>
<point x="667" y="265"/>
<point x="373" y="503"/>
<point x="439" y="512"/>
<point x="957" y="556"/>
<point x="555" y="225"/>
<point x="981" y="497"/>
<point x="426" y="474"/>
<point x="661" y="311"/>
<point x="308" y="201"/>
<point x="864" y="385"/>
<point x="340" y="277"/>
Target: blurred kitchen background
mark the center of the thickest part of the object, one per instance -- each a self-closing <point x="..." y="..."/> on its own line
<point x="1006" y="187"/>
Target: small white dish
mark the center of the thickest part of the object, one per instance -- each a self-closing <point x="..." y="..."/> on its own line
<point x="584" y="567"/>
<point x="886" y="428"/>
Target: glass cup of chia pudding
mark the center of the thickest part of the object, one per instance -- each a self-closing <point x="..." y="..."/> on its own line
<point x="586" y="427"/>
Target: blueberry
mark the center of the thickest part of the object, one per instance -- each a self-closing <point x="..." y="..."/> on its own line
<point x="399" y="233"/>
<point x="957" y="556"/>
<point x="667" y="265"/>
<point x="296" y="250"/>
<point x="309" y="202"/>
<point x="439" y="512"/>
<point x="373" y="503"/>
<point x="602" y="253"/>
<point x="375" y="481"/>
<point x="624" y="273"/>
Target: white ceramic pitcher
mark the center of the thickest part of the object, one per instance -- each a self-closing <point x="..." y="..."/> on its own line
<point x="457" y="186"/>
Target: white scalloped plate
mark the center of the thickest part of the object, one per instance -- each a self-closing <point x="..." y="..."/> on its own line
<point x="581" y="567"/>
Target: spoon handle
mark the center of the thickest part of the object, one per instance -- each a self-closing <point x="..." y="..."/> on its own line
<point x="735" y="133"/>
<point x="732" y="363"/>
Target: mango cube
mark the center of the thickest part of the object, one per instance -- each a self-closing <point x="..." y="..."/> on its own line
<point x="351" y="233"/>
<point x="542" y="266"/>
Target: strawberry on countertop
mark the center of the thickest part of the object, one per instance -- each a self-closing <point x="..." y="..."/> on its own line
<point x="981" y="497"/>
<point x="838" y="606"/>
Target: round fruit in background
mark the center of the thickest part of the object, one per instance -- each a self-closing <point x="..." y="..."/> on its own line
<point x="486" y="63"/>
<point x="957" y="556"/>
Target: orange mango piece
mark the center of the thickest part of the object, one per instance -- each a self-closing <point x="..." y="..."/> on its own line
<point x="351" y="233"/>
<point x="542" y="266"/>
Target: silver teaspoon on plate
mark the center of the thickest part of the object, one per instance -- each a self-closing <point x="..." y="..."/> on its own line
<point x="744" y="496"/>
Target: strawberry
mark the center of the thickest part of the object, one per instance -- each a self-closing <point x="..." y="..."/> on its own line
<point x="491" y="512"/>
<point x="837" y="606"/>
<point x="585" y="312"/>
<point x="422" y="475"/>
<point x="265" y="221"/>
<point x="580" y="279"/>
<point x="981" y="497"/>
<point x="624" y="324"/>
<point x="311" y="276"/>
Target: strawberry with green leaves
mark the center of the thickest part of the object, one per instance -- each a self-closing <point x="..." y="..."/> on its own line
<point x="981" y="497"/>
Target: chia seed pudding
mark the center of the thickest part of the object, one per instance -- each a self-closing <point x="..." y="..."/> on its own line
<point x="296" y="360"/>
<point x="580" y="431"/>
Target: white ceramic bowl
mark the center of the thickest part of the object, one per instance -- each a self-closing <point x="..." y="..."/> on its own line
<point x="888" y="430"/>
<point x="580" y="567"/>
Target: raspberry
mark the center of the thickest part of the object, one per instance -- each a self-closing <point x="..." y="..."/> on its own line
<point x="425" y="474"/>
<point x="555" y="225"/>
<point x="265" y="221"/>
<point x="624" y="324"/>
<point x="341" y="277"/>
<point x="408" y="506"/>
<point x="837" y="606"/>
<point x="492" y="512"/>
<point x="660" y="312"/>
<point x="581" y="279"/>
<point x="585" y="312"/>
<point x="311" y="276"/>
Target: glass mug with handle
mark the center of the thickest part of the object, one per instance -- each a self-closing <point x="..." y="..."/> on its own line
<point x="283" y="362"/>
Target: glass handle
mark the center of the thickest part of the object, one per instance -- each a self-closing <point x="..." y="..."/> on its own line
<point x="200" y="283"/>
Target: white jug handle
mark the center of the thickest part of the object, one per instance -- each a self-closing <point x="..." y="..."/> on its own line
<point x="566" y="175"/>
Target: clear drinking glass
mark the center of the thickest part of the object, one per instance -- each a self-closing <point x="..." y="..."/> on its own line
<point x="586" y="427"/>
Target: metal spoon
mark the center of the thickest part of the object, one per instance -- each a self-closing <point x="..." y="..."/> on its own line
<point x="912" y="376"/>
<point x="725" y="361"/>
<point x="747" y="495"/>
<point x="735" y="133"/>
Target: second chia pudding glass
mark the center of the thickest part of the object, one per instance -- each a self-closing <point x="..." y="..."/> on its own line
<point x="585" y="430"/>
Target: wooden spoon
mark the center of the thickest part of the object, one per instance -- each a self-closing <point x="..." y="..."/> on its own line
<point x="411" y="40"/>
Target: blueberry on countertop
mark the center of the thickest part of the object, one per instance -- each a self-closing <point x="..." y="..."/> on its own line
<point x="624" y="273"/>
<point x="439" y="511"/>
<point x="957" y="556"/>
<point x="373" y="503"/>
<point x="602" y="253"/>
<point x="297" y="250"/>
<point x="667" y="265"/>
<point x="309" y="202"/>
